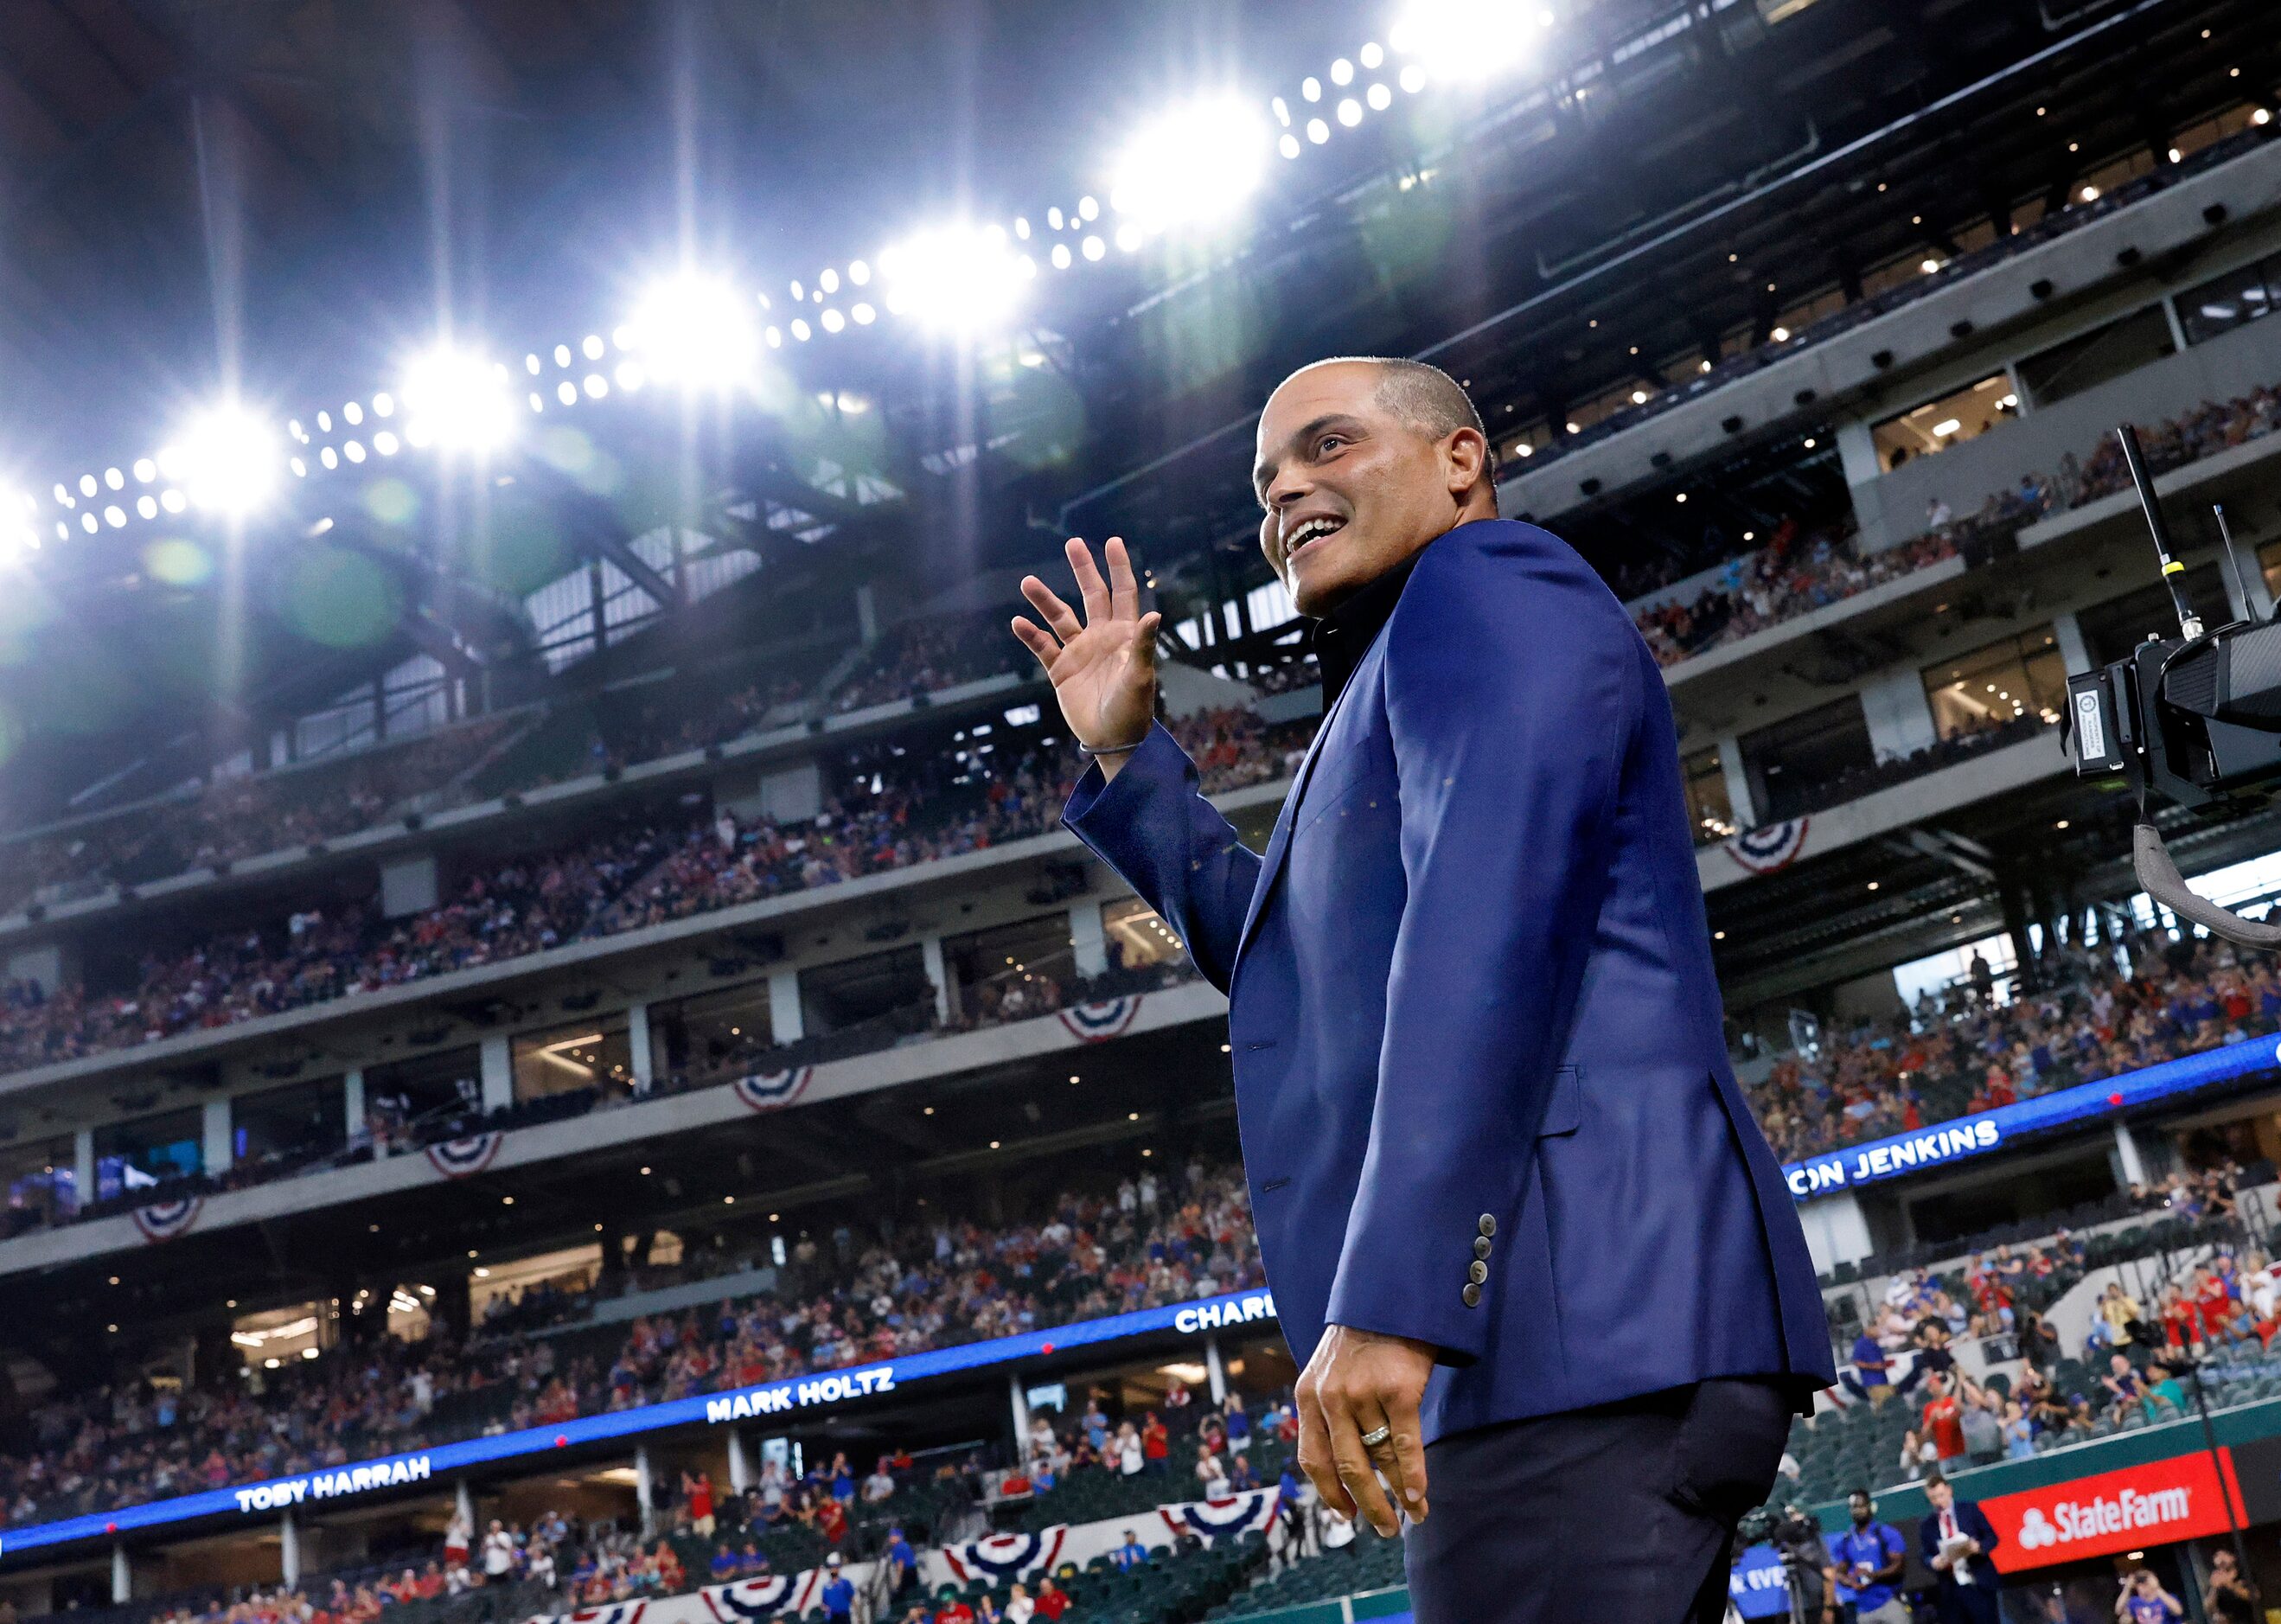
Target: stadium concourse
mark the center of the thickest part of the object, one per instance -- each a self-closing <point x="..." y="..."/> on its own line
<point x="554" y="1054"/>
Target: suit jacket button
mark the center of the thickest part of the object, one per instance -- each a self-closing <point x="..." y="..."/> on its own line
<point x="1473" y="1296"/>
<point x="1478" y="1272"/>
<point x="1488" y="1225"/>
<point x="1481" y="1247"/>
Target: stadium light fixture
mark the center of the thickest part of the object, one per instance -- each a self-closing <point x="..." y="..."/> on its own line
<point x="457" y="401"/>
<point x="1455" y="40"/>
<point x="1195" y="164"/>
<point x="958" y="276"/>
<point x="695" y="330"/>
<point x="226" y="458"/>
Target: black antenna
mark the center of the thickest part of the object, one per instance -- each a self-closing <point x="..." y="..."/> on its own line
<point x="2189" y="624"/>
<point x="2233" y="558"/>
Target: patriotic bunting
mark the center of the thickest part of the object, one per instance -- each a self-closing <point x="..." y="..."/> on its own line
<point x="1004" y="1557"/>
<point x="1210" y="1520"/>
<point x="1774" y="846"/>
<point x="1096" y="1022"/>
<point x="165" y="1219"/>
<point x="768" y="1091"/>
<point x="463" y="1159"/>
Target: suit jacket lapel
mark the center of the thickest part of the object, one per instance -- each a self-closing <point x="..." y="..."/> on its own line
<point x="1279" y="842"/>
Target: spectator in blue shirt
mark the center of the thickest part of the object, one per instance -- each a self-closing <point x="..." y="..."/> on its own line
<point x="1238" y="1425"/>
<point x="725" y="1565"/>
<point x="1131" y="1554"/>
<point x="839" y="1592"/>
<point x="1868" y="1557"/>
<point x="903" y="1562"/>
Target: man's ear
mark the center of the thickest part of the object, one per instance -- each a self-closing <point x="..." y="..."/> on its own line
<point x="1466" y="460"/>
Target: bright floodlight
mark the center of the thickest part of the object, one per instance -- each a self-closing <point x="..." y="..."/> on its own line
<point x="1470" y="39"/>
<point x="693" y="330"/>
<point x="456" y="400"/>
<point x="1194" y="165"/>
<point x="958" y="276"/>
<point x="227" y="459"/>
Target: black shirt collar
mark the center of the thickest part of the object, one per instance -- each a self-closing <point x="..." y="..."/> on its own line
<point x="1340" y="638"/>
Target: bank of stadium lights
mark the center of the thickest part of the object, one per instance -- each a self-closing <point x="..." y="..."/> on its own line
<point x="226" y="458"/>
<point x="694" y="330"/>
<point x="1467" y="40"/>
<point x="457" y="401"/>
<point x="1195" y="165"/>
<point x="959" y="276"/>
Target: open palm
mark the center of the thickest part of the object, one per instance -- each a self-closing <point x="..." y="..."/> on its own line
<point x="1104" y="668"/>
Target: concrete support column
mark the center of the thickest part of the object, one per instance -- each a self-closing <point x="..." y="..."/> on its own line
<point x="867" y="614"/>
<point x="464" y="1503"/>
<point x="1738" y="782"/>
<point x="645" y="1491"/>
<point x="643" y="1063"/>
<point x="2127" y="1159"/>
<point x="217" y="1150"/>
<point x="1087" y="941"/>
<point x="1215" y="1371"/>
<point x="1837" y="1230"/>
<point x="1899" y="715"/>
<point x="785" y="1022"/>
<point x="937" y="974"/>
<point x="83" y="1165"/>
<point x="1020" y="1400"/>
<point x="289" y="1552"/>
<point x="352" y="1104"/>
<point x="740" y="1468"/>
<point x="498" y="1072"/>
<point x="122" y="1577"/>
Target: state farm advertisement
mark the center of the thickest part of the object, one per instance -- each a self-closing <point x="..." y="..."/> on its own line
<point x="2123" y="1510"/>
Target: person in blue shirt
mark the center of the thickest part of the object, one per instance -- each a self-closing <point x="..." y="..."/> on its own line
<point x="1131" y="1554"/>
<point x="724" y="1565"/>
<point x="903" y="1562"/>
<point x="1868" y="1557"/>
<point x="839" y="1592"/>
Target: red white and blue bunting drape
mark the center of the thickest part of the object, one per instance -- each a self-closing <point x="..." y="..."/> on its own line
<point x="1210" y="1520"/>
<point x="768" y="1091"/>
<point x="464" y="1158"/>
<point x="163" y="1220"/>
<point x="1097" y="1023"/>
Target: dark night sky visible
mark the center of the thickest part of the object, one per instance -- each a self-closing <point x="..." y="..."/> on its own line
<point x="311" y="173"/>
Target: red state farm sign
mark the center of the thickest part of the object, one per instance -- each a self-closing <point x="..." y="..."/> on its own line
<point x="2123" y="1510"/>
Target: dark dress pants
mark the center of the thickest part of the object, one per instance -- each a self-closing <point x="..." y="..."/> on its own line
<point x="1620" y="1514"/>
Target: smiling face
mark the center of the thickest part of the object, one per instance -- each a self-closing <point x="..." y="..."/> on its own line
<point x="1353" y="484"/>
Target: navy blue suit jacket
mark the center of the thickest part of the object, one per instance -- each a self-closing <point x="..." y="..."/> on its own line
<point x="1971" y="1520"/>
<point x="1470" y="991"/>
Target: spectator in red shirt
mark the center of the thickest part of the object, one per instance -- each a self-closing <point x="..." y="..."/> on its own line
<point x="1943" y="1420"/>
<point x="1052" y="1601"/>
<point x="953" y="1609"/>
<point x="1156" y="1444"/>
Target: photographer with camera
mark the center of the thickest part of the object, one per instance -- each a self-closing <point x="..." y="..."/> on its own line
<point x="2144" y="1601"/>
<point x="1796" y="1539"/>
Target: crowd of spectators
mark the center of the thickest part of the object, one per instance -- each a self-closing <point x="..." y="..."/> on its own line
<point x="1970" y="1052"/>
<point x="923" y="656"/>
<point x="846" y="1299"/>
<point x="1795" y="573"/>
<point x="893" y="815"/>
<point x="226" y="819"/>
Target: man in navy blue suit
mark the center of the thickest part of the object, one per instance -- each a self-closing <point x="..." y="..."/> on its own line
<point x="1955" y="1539"/>
<point x="1523" y="1234"/>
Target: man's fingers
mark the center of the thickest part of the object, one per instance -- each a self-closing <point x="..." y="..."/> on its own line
<point x="1124" y="590"/>
<point x="1058" y="614"/>
<point x="1090" y="586"/>
<point x="1354" y="1467"/>
<point x="1315" y="1457"/>
<point x="1407" y="1451"/>
<point x="1144" y="640"/>
<point x="1039" y="641"/>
